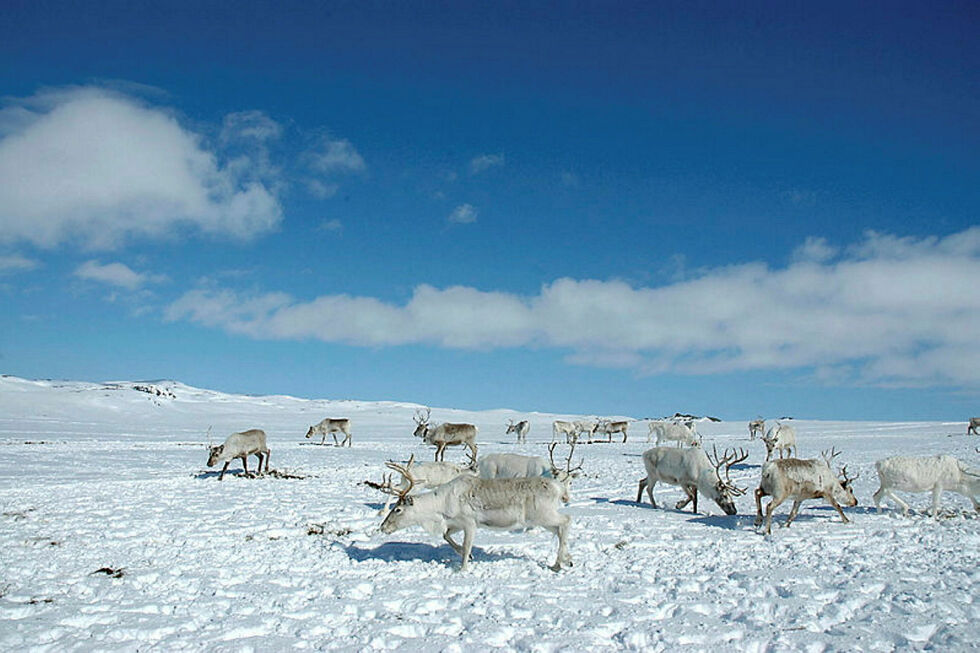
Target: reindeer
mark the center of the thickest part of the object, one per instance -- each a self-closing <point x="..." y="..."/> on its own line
<point x="240" y="445"/>
<point x="567" y="428"/>
<point x="925" y="474"/>
<point x="331" y="426"/>
<point x="757" y="427"/>
<point x="792" y="478"/>
<point x="467" y="502"/>
<point x="419" y="476"/>
<point x="973" y="426"/>
<point x="512" y="465"/>
<point x="692" y="469"/>
<point x="781" y="437"/>
<point x="444" y="434"/>
<point x="681" y="433"/>
<point x="520" y="428"/>
<point x="609" y="427"/>
<point x="584" y="427"/>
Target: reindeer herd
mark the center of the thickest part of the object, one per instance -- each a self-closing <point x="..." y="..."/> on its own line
<point x="516" y="492"/>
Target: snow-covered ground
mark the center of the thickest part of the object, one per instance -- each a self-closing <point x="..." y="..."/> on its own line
<point x="110" y="477"/>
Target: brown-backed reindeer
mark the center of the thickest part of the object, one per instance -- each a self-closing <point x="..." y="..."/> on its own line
<point x="792" y="478"/>
<point x="609" y="427"/>
<point x="973" y="426"/>
<point x="333" y="427"/>
<point x="468" y="502"/>
<point x="693" y="470"/>
<point x="520" y="428"/>
<point x="445" y="434"/>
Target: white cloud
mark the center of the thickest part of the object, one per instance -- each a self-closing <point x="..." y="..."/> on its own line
<point x="334" y="226"/>
<point x="336" y="155"/>
<point x="114" y="274"/>
<point x="101" y="167"/>
<point x="249" y="125"/>
<point x="16" y="263"/>
<point x="878" y="315"/>
<point x="485" y="162"/>
<point x="321" y="190"/>
<point x="463" y="214"/>
<point x="815" y="250"/>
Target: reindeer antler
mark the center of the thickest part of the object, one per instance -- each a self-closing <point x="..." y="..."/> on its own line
<point x="730" y="457"/>
<point x="828" y="457"/>
<point x="569" y="470"/>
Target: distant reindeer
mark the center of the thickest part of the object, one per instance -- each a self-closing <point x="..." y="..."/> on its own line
<point x="973" y="426"/>
<point x="926" y="474"/>
<point x="568" y="429"/>
<point x="609" y="427"/>
<point x="520" y="428"/>
<point x="240" y="445"/>
<point x="680" y="433"/>
<point x="792" y="478"/>
<point x="757" y="427"/>
<point x="445" y="434"/>
<point x="584" y="427"/>
<point x="468" y="502"/>
<point x="333" y="427"/>
<point x="781" y="437"/>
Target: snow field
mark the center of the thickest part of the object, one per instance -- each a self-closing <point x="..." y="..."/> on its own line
<point x="274" y="563"/>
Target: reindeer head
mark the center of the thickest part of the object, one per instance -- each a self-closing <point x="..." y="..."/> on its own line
<point x="845" y="494"/>
<point x="393" y="520"/>
<point x="214" y="453"/>
<point x="725" y="490"/>
<point x="309" y="433"/>
<point x="422" y="422"/>
<point x="568" y="472"/>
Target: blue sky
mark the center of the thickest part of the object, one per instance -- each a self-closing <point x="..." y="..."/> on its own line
<point x="606" y="208"/>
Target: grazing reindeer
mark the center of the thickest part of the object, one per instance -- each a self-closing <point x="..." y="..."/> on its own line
<point x="240" y="445"/>
<point x="467" y="502"/>
<point x="929" y="473"/>
<point x="757" y="427"/>
<point x="331" y="426"/>
<point x="692" y="469"/>
<point x="973" y="426"/>
<point x="445" y="434"/>
<point x="608" y="427"/>
<point x="520" y="428"/>
<point x="781" y="437"/>
<point x="568" y="429"/>
<point x="418" y="476"/>
<point x="673" y="432"/>
<point x="792" y="478"/>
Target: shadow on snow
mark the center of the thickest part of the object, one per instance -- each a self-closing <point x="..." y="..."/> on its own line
<point x="395" y="551"/>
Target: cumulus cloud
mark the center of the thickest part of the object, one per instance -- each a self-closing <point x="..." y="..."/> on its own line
<point x="484" y="162"/>
<point x="889" y="311"/>
<point x="463" y="214"/>
<point x="114" y="274"/>
<point x="102" y="167"/>
<point x="336" y="155"/>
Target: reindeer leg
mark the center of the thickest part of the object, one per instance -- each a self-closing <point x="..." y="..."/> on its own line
<point x="323" y="438"/>
<point x="468" y="531"/>
<point x="222" y="474"/>
<point x="258" y="454"/>
<point x="897" y="501"/>
<point x="448" y="536"/>
<point x="836" y="505"/>
<point x="639" y="492"/>
<point x="794" y="511"/>
<point x="758" y="506"/>
<point x="772" y="506"/>
<point x="245" y="464"/>
<point x="562" y="559"/>
<point x="268" y="454"/>
<point x="877" y="497"/>
<point x="936" y="492"/>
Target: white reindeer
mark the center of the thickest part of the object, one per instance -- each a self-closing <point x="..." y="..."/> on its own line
<point x="445" y="434"/>
<point x="792" y="478"/>
<point x="520" y="428"/>
<point x="609" y="427"/>
<point x="781" y="437"/>
<point x="973" y="426"/>
<point x="925" y="474"/>
<point x="512" y="465"/>
<point x="757" y="427"/>
<point x="584" y="427"/>
<point x="680" y="433"/>
<point x="240" y="445"/>
<point x="501" y="503"/>
<point x="693" y="470"/>
<point x="333" y="427"/>
<point x="414" y="475"/>
<point x="568" y="429"/>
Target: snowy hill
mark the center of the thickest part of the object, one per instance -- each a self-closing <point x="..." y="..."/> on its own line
<point x="111" y="476"/>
